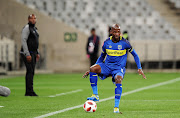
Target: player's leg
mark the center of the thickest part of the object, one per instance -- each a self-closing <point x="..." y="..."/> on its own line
<point x="29" y="76"/>
<point x="33" y="71"/>
<point x="93" y="80"/>
<point x="94" y="69"/>
<point x="93" y="76"/>
<point x="28" y="68"/>
<point x="118" y="92"/>
<point x="118" y="76"/>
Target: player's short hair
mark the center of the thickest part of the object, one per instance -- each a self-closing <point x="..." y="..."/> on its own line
<point x="31" y="15"/>
<point x="115" y="26"/>
<point x="93" y="29"/>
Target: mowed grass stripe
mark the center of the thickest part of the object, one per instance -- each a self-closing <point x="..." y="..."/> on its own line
<point x="110" y="98"/>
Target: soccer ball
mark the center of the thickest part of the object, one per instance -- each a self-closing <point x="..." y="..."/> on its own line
<point x="90" y="106"/>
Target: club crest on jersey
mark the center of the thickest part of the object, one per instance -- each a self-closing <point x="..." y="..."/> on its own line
<point x="110" y="46"/>
<point x="119" y="47"/>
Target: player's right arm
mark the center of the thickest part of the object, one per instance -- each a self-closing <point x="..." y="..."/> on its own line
<point x="103" y="54"/>
<point x="24" y="38"/>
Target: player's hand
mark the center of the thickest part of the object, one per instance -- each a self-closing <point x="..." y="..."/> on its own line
<point x="88" y="56"/>
<point x="29" y="58"/>
<point x="86" y="74"/>
<point x="140" y="71"/>
<point x="37" y="57"/>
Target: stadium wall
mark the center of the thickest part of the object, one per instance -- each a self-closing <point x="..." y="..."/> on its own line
<point x="70" y="56"/>
<point x="61" y="56"/>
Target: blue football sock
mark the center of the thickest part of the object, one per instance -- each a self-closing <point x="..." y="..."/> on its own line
<point x="118" y="91"/>
<point x="93" y="81"/>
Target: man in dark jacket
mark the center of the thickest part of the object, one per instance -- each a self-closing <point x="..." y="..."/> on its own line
<point x="92" y="47"/>
<point x="29" y="52"/>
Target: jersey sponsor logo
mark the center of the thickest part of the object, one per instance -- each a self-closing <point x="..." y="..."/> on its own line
<point x="115" y="52"/>
<point x="110" y="46"/>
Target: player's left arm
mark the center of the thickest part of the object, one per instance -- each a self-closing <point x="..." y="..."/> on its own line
<point x="136" y="58"/>
<point x="138" y="63"/>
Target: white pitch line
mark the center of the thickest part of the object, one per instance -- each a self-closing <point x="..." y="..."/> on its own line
<point x="75" y="91"/>
<point x="149" y="100"/>
<point x="110" y="98"/>
<point x="1" y="106"/>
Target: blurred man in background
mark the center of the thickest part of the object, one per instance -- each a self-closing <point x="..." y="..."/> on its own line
<point x="109" y="31"/>
<point x="92" y="47"/>
<point x="125" y="35"/>
<point x="29" y="52"/>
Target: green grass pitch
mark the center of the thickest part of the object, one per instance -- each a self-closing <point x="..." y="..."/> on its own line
<point x="158" y="102"/>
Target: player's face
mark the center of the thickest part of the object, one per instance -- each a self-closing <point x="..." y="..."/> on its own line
<point x="116" y="34"/>
<point x="93" y="33"/>
<point x="32" y="19"/>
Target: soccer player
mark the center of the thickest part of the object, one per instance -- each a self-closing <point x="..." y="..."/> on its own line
<point x="115" y="50"/>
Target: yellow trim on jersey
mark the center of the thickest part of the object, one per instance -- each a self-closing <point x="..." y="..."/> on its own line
<point x="94" y="75"/>
<point x="120" y="86"/>
<point x="115" y="52"/>
<point x="131" y="50"/>
<point x="110" y="37"/>
<point x="119" y="37"/>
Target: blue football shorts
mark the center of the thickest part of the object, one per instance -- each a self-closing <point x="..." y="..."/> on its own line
<point x="107" y="71"/>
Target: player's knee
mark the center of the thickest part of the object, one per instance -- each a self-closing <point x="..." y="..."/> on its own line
<point x="92" y="69"/>
<point x="118" y="79"/>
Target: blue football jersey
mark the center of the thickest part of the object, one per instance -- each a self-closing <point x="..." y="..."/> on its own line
<point x="116" y="52"/>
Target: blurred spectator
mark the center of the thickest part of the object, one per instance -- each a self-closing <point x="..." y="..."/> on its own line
<point x="110" y="31"/>
<point x="92" y="47"/>
<point x="125" y="35"/>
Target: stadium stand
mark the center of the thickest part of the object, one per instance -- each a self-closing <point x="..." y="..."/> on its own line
<point x="7" y="54"/>
<point x="56" y="18"/>
<point x="175" y="5"/>
<point x="136" y="16"/>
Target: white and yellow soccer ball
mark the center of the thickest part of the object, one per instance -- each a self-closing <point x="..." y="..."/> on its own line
<point x="90" y="106"/>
